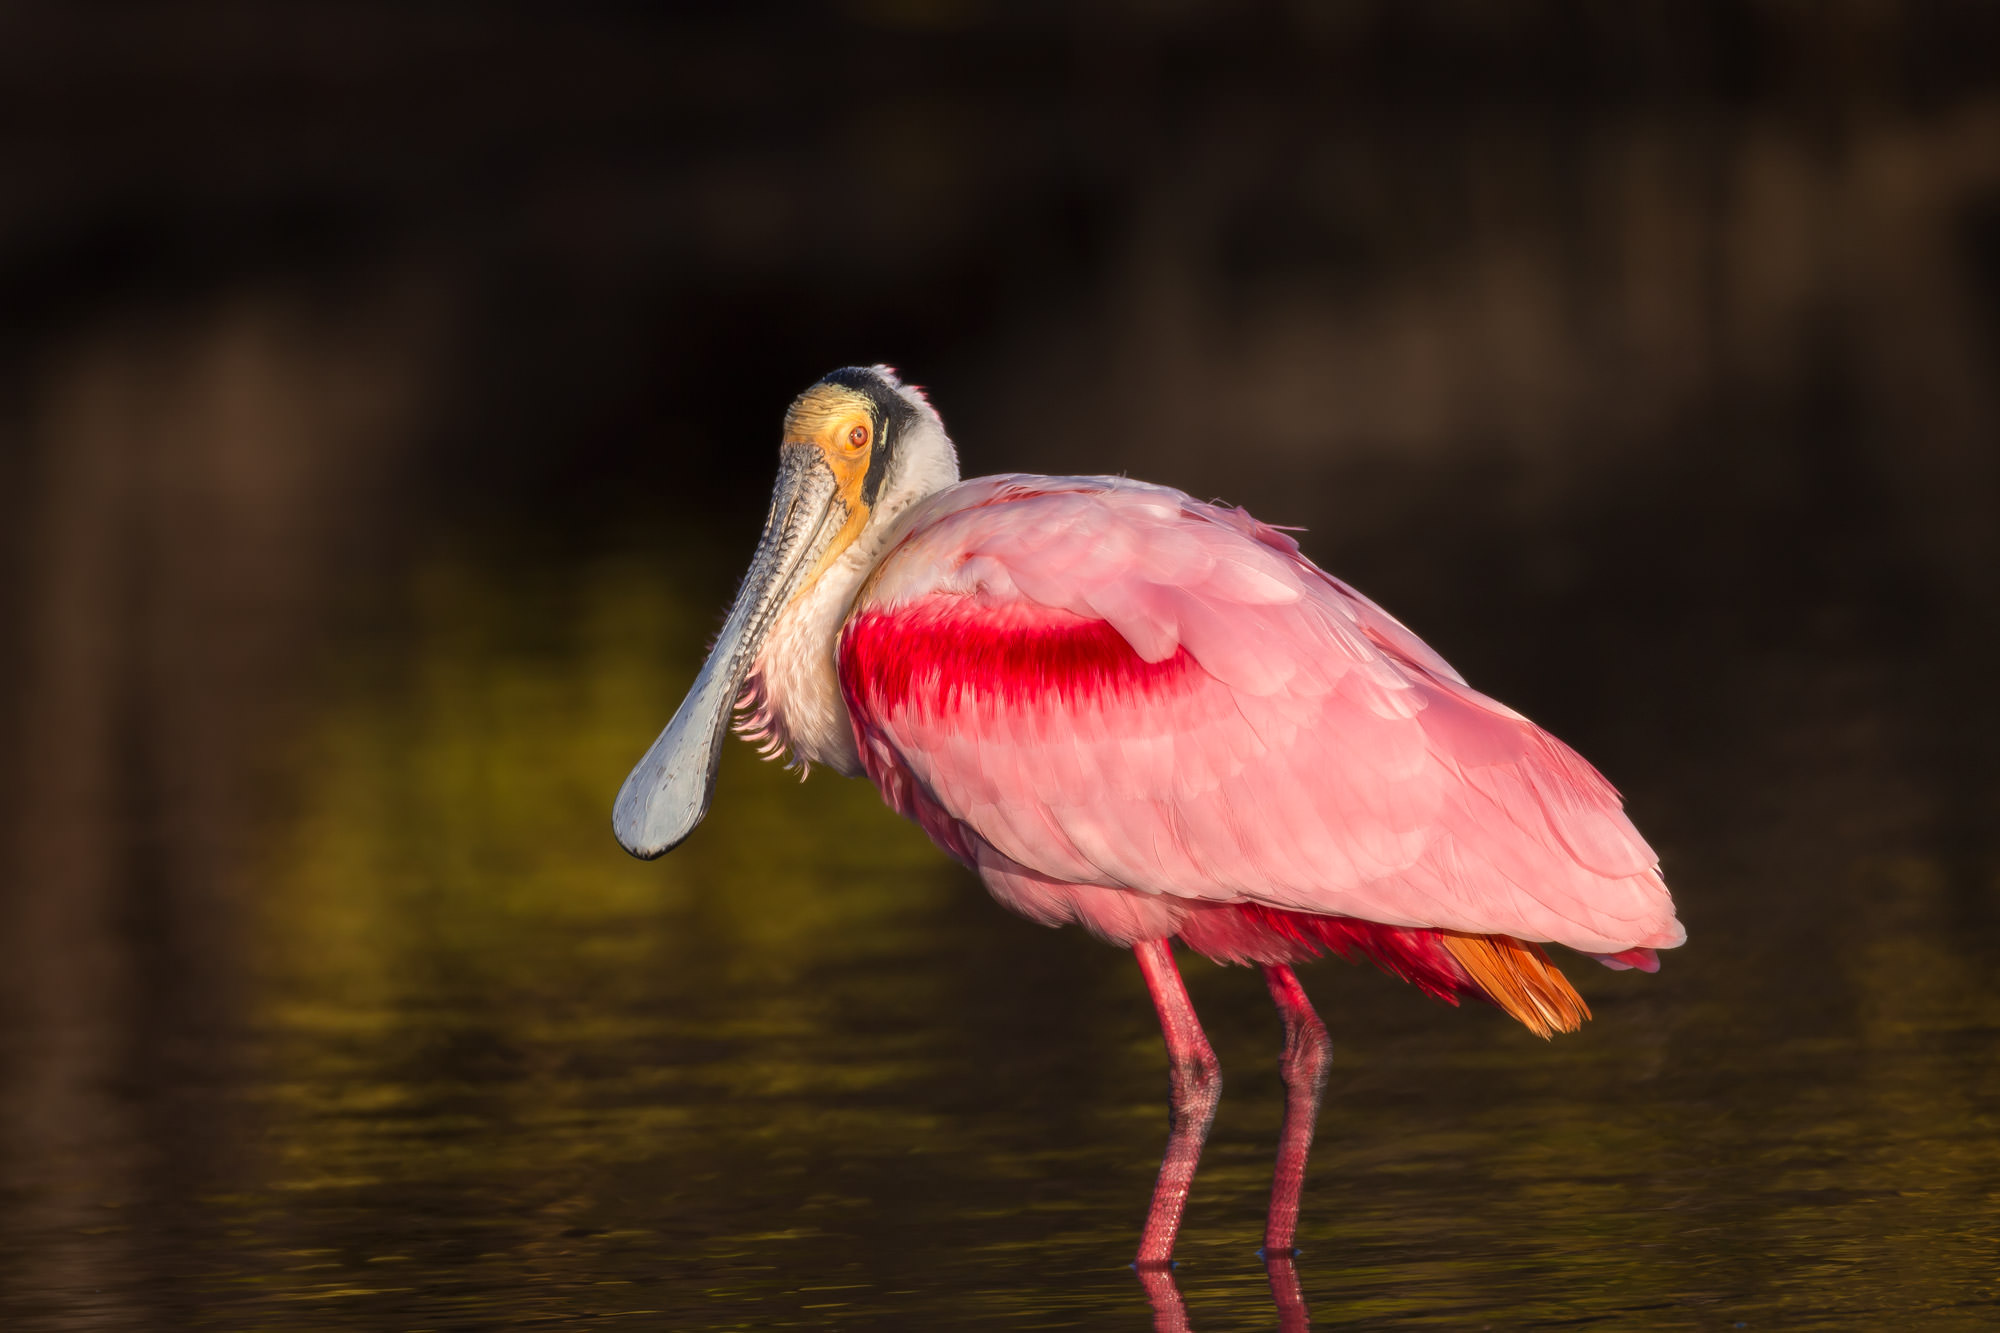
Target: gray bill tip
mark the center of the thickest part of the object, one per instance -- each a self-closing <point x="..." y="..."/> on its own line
<point x="669" y="789"/>
<point x="649" y="829"/>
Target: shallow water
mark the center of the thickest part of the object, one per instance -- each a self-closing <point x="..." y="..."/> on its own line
<point x="387" y="406"/>
<point x="480" y="1069"/>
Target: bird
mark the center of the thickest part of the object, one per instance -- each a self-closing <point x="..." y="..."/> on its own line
<point x="1156" y="718"/>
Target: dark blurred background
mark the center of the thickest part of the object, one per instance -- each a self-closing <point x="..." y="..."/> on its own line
<point x="412" y="371"/>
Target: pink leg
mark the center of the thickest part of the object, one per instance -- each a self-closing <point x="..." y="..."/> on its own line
<point x="1195" y="1087"/>
<point x="1304" y="1063"/>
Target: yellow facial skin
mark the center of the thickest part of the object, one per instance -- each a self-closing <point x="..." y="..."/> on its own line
<point x="840" y="423"/>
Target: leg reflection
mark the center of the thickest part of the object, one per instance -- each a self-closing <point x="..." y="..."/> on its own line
<point x="1170" y="1311"/>
<point x="1285" y="1294"/>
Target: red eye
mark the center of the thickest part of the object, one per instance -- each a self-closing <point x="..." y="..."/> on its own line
<point x="857" y="437"/>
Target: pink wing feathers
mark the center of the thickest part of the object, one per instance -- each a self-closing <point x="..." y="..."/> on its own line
<point x="1112" y="684"/>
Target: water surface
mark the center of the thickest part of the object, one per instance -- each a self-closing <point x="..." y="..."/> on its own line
<point x="802" y="1073"/>
<point x="389" y="403"/>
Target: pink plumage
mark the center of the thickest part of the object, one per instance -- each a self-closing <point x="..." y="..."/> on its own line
<point x="1125" y="707"/>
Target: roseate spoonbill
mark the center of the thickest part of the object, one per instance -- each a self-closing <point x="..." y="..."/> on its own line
<point x="1154" y="717"/>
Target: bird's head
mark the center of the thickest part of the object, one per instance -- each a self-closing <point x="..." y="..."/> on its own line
<point x="860" y="447"/>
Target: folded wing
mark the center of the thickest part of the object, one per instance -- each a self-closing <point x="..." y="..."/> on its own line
<point x="1114" y="684"/>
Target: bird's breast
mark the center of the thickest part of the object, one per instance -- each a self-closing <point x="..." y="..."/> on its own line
<point x="792" y="696"/>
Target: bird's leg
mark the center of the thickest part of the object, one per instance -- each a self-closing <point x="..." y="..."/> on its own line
<point x="1195" y="1087"/>
<point x="1304" y="1064"/>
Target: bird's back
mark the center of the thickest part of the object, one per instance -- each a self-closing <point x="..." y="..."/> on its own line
<point x="1103" y="683"/>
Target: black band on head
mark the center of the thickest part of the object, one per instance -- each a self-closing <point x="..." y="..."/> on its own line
<point x="892" y="413"/>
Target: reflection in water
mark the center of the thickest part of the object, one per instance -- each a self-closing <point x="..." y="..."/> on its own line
<point x="179" y="534"/>
<point x="804" y="1071"/>
<point x="1293" y="1317"/>
<point x="1170" y="1311"/>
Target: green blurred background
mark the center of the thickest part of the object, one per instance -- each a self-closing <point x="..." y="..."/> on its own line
<point x="388" y="401"/>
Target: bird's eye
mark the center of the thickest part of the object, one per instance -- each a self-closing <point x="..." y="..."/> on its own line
<point x="857" y="437"/>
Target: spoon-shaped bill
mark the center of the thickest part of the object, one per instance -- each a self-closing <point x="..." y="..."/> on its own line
<point x="669" y="790"/>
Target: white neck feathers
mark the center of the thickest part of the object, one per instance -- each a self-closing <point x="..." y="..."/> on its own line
<point x="791" y="699"/>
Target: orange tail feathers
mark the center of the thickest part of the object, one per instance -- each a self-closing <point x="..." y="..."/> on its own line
<point x="1519" y="978"/>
